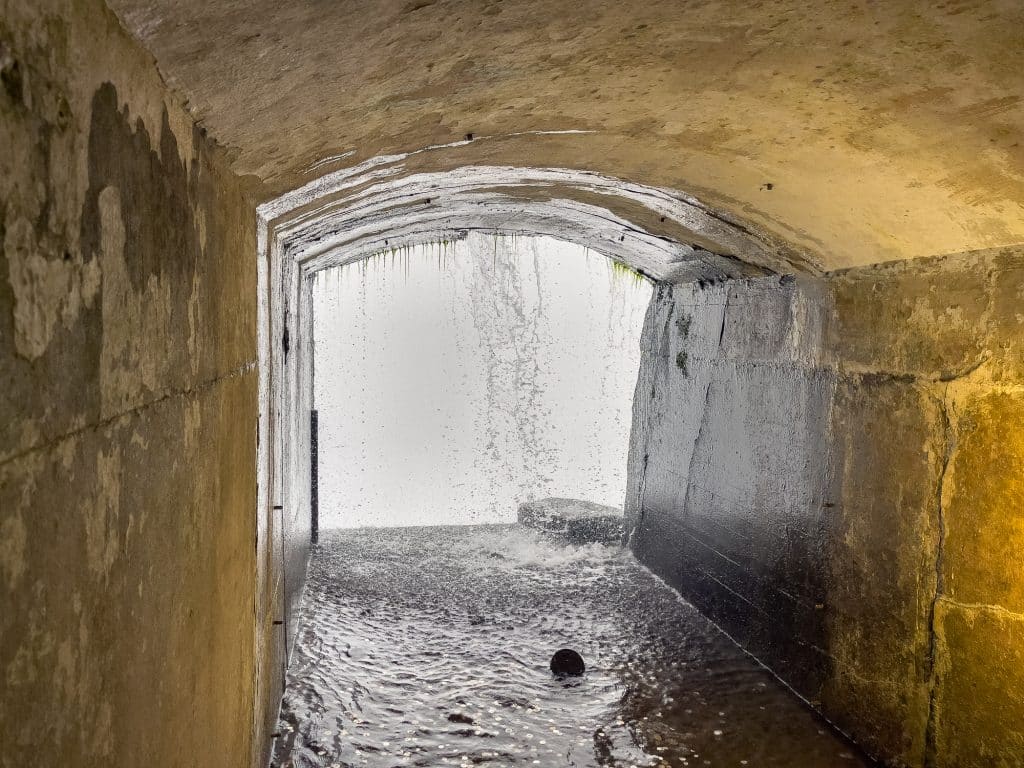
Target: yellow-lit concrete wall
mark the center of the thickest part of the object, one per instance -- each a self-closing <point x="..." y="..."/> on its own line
<point x="127" y="410"/>
<point x="927" y="557"/>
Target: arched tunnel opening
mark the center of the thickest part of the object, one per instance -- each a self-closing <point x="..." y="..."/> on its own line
<point x="456" y="384"/>
<point x="824" y="466"/>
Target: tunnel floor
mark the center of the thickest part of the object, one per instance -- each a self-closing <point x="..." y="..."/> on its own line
<point x="431" y="646"/>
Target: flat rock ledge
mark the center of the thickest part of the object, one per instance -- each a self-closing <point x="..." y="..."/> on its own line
<point x="580" y="522"/>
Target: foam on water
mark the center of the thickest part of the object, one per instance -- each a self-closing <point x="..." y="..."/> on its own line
<point x="430" y="647"/>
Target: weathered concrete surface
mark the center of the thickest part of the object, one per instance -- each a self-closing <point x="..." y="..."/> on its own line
<point x="864" y="540"/>
<point x="127" y="410"/>
<point x="125" y="620"/>
<point x="983" y="502"/>
<point x="939" y="340"/>
<point x="849" y="504"/>
<point x="726" y="494"/>
<point x="981" y="660"/>
<point x="880" y="536"/>
<point x="581" y="522"/>
<point x="886" y="131"/>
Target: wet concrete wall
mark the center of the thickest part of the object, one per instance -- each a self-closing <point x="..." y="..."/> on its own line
<point x="127" y="410"/>
<point x="832" y="470"/>
<point x="727" y="486"/>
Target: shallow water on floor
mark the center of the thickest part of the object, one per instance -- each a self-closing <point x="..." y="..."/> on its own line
<point x="431" y="646"/>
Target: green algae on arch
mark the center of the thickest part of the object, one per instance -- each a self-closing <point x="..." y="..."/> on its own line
<point x="620" y="270"/>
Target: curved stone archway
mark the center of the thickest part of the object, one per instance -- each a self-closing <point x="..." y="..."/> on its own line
<point x="379" y="205"/>
<point x="859" y="132"/>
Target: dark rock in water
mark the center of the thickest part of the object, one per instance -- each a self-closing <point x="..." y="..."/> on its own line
<point x="581" y="522"/>
<point x="567" y="662"/>
<point x="459" y="717"/>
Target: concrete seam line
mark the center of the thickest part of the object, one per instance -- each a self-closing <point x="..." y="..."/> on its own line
<point x="992" y="608"/>
<point x="949" y="446"/>
<point x="95" y="426"/>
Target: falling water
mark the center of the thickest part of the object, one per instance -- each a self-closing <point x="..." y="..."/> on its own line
<point x="455" y="380"/>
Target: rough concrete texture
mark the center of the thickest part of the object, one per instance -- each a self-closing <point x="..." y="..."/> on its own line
<point x="885" y="131"/>
<point x="726" y="492"/>
<point x="880" y="539"/>
<point x="127" y="410"/>
<point x="863" y="536"/>
<point x="950" y="331"/>
<point x="841" y="489"/>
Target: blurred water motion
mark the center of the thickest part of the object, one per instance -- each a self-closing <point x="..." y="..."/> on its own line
<point x="455" y="380"/>
<point x="430" y="647"/>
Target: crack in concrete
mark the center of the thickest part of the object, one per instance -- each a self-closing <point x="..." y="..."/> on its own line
<point x="949" y="439"/>
<point x="911" y="377"/>
<point x="703" y="419"/>
<point x="725" y="314"/>
<point x="998" y="610"/>
<point x="641" y="491"/>
<point x="704" y="412"/>
<point x="962" y="373"/>
<point x="95" y="426"/>
<point x="850" y="670"/>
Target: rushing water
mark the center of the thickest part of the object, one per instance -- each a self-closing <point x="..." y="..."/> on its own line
<point x="430" y="647"/>
<point x="491" y="370"/>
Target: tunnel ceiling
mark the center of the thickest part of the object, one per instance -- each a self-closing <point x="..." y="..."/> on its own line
<point x="856" y="132"/>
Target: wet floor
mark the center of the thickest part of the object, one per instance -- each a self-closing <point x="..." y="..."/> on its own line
<point x="431" y="646"/>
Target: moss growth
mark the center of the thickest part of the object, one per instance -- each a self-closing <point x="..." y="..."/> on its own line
<point x="682" y="359"/>
<point x="619" y="269"/>
<point x="683" y="323"/>
<point x="399" y="254"/>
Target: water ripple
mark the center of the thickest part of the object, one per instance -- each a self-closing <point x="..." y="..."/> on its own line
<point x="430" y="647"/>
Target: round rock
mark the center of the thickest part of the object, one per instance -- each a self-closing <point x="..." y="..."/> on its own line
<point x="567" y="662"/>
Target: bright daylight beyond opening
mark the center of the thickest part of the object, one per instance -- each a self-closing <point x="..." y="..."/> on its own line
<point x="454" y="381"/>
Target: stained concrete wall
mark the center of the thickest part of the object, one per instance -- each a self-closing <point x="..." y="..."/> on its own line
<point x="832" y="470"/>
<point x="928" y="425"/>
<point x="127" y="410"/>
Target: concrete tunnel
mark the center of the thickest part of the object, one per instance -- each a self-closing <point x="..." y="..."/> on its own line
<point x="826" y="456"/>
